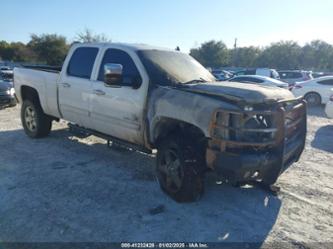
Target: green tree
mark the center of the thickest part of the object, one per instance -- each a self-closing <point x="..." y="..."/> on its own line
<point x="211" y="54"/>
<point x="49" y="48"/>
<point x="317" y="55"/>
<point x="22" y="53"/>
<point x="6" y="51"/>
<point x="88" y="36"/>
<point x="280" y="55"/>
<point x="245" y="56"/>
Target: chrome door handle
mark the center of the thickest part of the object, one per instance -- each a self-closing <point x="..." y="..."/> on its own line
<point x="67" y="85"/>
<point x="99" y="92"/>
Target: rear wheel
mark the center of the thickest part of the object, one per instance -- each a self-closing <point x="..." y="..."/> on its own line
<point x="313" y="99"/>
<point x="180" y="169"/>
<point x="35" y="122"/>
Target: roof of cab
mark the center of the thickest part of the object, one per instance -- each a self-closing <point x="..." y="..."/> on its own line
<point x="132" y="46"/>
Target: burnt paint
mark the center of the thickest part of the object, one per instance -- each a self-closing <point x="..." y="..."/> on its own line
<point x="177" y="104"/>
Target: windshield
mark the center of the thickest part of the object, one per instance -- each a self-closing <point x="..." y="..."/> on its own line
<point x="168" y="67"/>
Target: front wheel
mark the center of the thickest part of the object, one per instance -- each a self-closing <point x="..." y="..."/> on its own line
<point x="35" y="122"/>
<point x="179" y="169"/>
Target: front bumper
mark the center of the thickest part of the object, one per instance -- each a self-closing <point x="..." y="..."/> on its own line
<point x="7" y="100"/>
<point x="261" y="161"/>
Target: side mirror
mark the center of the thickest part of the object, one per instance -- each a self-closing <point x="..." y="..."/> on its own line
<point x="113" y="74"/>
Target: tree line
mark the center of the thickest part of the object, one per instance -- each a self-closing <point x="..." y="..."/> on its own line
<point x="50" y="49"/>
<point x="316" y="55"/>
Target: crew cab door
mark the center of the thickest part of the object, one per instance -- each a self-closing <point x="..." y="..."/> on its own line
<point x="75" y="86"/>
<point x="118" y="110"/>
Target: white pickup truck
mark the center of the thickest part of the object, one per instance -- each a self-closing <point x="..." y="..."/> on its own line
<point x="152" y="98"/>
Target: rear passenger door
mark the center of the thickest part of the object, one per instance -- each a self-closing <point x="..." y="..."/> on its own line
<point x="75" y="87"/>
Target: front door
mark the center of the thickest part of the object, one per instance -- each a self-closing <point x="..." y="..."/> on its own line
<point x="118" y="111"/>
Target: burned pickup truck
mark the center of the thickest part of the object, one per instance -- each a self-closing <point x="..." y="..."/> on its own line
<point x="151" y="98"/>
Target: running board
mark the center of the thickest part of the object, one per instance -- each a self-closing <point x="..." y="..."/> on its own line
<point x="83" y="132"/>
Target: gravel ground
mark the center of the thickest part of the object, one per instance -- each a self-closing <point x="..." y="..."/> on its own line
<point x="63" y="188"/>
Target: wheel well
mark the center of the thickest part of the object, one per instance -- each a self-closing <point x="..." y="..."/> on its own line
<point x="313" y="93"/>
<point x="29" y="93"/>
<point x="166" y="126"/>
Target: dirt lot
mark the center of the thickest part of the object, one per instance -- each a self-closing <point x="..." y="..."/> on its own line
<point x="64" y="188"/>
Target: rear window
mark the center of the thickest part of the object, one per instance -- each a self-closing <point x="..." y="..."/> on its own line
<point x="82" y="62"/>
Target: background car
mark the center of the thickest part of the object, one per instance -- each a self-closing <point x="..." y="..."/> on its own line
<point x="6" y="73"/>
<point x="4" y="68"/>
<point x="257" y="79"/>
<point x="293" y="76"/>
<point x="321" y="74"/>
<point x="7" y="94"/>
<point x="329" y="106"/>
<point x="272" y="73"/>
<point x="315" y="91"/>
<point x="221" y="74"/>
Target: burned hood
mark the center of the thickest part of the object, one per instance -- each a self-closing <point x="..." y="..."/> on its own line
<point x="235" y="91"/>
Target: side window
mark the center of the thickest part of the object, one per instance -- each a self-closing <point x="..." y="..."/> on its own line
<point x="326" y="82"/>
<point x="131" y="75"/>
<point x="238" y="79"/>
<point x="283" y="75"/>
<point x="256" y="80"/>
<point x="82" y="62"/>
<point x="250" y="72"/>
<point x="245" y="79"/>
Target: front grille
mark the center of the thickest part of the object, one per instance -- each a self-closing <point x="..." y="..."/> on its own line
<point x="283" y="122"/>
<point x="244" y="128"/>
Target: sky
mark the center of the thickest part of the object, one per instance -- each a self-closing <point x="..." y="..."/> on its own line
<point x="171" y="23"/>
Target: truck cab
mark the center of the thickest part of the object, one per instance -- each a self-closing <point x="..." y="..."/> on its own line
<point x="154" y="98"/>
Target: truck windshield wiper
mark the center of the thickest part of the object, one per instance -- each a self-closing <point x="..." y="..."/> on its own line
<point x="200" y="80"/>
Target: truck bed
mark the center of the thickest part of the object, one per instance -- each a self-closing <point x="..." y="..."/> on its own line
<point x="44" y="81"/>
<point x="51" y="69"/>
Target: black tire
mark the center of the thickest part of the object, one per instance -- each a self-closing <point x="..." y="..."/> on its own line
<point x="181" y="177"/>
<point x="39" y="124"/>
<point x="313" y="99"/>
